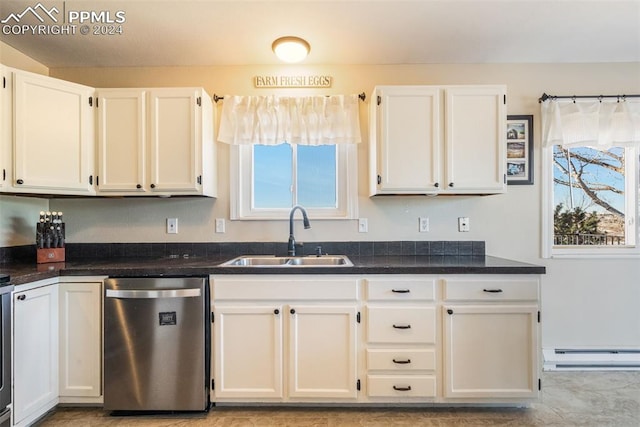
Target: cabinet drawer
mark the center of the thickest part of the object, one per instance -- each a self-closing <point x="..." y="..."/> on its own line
<point x="491" y="290"/>
<point x="401" y="386"/>
<point x="392" y="289"/>
<point x="287" y="287"/>
<point x="401" y="360"/>
<point x="409" y="325"/>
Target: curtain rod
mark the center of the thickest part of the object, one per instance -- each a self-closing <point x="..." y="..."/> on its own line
<point x="217" y="98"/>
<point x="544" y="97"/>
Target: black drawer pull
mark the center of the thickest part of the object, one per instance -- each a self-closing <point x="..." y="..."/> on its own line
<point x="400" y="291"/>
<point x="492" y="291"/>
<point x="276" y="311"/>
<point x="402" y="326"/>
<point x="22" y="297"/>
<point x="292" y="311"/>
<point x="407" y="388"/>
<point x="402" y="362"/>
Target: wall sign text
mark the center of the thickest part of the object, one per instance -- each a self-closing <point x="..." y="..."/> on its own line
<point x="271" y="81"/>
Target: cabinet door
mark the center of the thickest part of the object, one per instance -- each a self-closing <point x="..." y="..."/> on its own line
<point x="248" y="352"/>
<point x="322" y="354"/>
<point x="54" y="135"/>
<point x="490" y="351"/>
<point x="6" y="127"/>
<point x="475" y="139"/>
<point x="406" y="140"/>
<point x="35" y="353"/>
<point x="121" y="141"/>
<point x="175" y="140"/>
<point x="80" y="339"/>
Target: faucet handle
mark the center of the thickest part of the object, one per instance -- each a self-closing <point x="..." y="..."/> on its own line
<point x="319" y="251"/>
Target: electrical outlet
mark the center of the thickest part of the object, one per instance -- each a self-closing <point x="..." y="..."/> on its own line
<point x="423" y="224"/>
<point x="220" y="225"/>
<point x="172" y="225"/>
<point x="463" y="224"/>
<point x="363" y="225"/>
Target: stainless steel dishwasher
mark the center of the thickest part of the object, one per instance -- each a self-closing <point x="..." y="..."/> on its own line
<point x="156" y="344"/>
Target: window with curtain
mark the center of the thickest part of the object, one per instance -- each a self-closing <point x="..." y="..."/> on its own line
<point x="591" y="183"/>
<point x="288" y="151"/>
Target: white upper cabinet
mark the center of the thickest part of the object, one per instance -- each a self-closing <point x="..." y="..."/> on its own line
<point x="6" y="115"/>
<point x="53" y="135"/>
<point x="405" y="130"/>
<point x="437" y="140"/>
<point x="121" y="140"/>
<point x="156" y="142"/>
<point x="181" y="139"/>
<point x="475" y="129"/>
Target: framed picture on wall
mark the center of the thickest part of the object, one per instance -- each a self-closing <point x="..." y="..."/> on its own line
<point x="520" y="150"/>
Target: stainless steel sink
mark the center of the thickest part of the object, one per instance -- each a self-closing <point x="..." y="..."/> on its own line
<point x="301" y="261"/>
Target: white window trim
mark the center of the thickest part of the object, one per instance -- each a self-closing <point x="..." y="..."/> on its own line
<point x="632" y="214"/>
<point x="241" y="178"/>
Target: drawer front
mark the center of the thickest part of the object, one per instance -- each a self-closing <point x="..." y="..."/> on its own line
<point x="491" y="290"/>
<point x="401" y="360"/>
<point x="401" y="386"/>
<point x="318" y="287"/>
<point x="401" y="325"/>
<point x="403" y="289"/>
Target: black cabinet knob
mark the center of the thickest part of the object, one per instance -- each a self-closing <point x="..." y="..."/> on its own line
<point x="22" y="297"/>
<point x="153" y="186"/>
<point x="276" y="311"/>
<point x="138" y="186"/>
<point x="437" y="184"/>
<point x="19" y="181"/>
<point x="451" y="184"/>
<point x="449" y="311"/>
<point x="292" y="311"/>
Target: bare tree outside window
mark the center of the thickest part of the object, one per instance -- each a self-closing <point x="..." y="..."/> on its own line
<point x="589" y="196"/>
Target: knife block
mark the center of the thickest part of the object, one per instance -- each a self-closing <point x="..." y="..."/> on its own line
<point x="50" y="255"/>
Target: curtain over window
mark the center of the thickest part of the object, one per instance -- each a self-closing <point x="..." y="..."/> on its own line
<point x="272" y="120"/>
<point x="597" y="123"/>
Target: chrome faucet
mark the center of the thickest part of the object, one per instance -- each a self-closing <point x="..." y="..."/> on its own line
<point x="291" y="247"/>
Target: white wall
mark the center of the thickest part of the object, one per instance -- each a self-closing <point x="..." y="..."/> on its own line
<point x="585" y="304"/>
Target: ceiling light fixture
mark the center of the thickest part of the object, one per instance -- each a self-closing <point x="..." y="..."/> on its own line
<point x="291" y="49"/>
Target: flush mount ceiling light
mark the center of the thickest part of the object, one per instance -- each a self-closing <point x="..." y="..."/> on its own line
<point x="291" y="49"/>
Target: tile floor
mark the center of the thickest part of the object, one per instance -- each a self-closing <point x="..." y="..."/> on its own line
<point x="597" y="399"/>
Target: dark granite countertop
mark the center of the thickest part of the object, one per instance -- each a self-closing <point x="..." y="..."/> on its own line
<point x="195" y="266"/>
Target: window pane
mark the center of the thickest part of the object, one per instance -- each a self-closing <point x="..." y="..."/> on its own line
<point x="589" y="196"/>
<point x="317" y="176"/>
<point x="272" y="176"/>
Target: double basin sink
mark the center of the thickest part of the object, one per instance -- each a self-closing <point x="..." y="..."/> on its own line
<point x="289" y="261"/>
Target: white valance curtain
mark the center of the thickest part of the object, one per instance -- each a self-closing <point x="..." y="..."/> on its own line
<point x="598" y="123"/>
<point x="272" y="120"/>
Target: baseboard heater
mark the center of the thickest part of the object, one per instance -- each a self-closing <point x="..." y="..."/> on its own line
<point x="591" y="359"/>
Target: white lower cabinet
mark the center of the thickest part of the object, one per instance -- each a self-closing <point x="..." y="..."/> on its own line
<point x="284" y="339"/>
<point x="248" y="352"/>
<point x="401" y="340"/>
<point x="491" y="345"/>
<point x="35" y="352"/>
<point x="80" y="357"/>
<point x="57" y="345"/>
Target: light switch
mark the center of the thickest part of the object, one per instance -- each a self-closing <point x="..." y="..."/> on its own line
<point x="363" y="225"/>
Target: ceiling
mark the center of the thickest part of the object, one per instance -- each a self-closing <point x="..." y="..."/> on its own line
<point x="240" y="32"/>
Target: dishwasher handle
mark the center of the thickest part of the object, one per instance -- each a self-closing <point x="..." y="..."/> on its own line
<point x="152" y="293"/>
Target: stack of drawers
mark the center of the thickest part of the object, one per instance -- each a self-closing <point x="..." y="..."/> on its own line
<point x="401" y="327"/>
